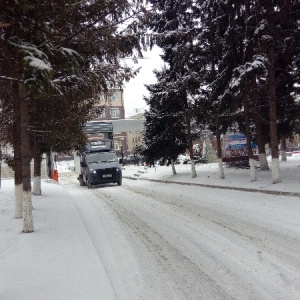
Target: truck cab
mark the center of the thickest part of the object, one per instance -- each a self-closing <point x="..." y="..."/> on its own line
<point x="98" y="163"/>
<point x="100" y="167"/>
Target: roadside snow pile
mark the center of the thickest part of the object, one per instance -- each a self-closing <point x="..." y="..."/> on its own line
<point x="65" y="166"/>
<point x="208" y="174"/>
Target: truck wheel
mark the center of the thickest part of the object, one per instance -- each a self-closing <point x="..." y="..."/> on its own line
<point x="89" y="185"/>
<point x="81" y="183"/>
<point x="119" y="182"/>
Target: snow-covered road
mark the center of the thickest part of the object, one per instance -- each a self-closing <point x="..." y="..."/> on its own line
<point x="169" y="241"/>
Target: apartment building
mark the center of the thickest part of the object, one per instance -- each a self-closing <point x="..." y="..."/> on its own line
<point x="135" y="134"/>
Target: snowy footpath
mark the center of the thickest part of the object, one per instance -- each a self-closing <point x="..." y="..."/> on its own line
<point x="154" y="239"/>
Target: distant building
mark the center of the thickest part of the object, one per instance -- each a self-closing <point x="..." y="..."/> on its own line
<point x="127" y="132"/>
<point x="135" y="112"/>
<point x="110" y="107"/>
<point x="134" y="132"/>
<point x="113" y="103"/>
<point x="135" y="135"/>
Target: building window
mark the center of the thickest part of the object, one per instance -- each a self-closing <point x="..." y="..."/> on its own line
<point x="117" y="146"/>
<point x="114" y="113"/>
<point x="113" y="96"/>
<point x="100" y="98"/>
<point x="102" y="114"/>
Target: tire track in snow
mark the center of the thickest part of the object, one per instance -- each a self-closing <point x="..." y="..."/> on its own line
<point x="187" y="277"/>
<point x="258" y="242"/>
<point x="264" y="237"/>
<point x="85" y="217"/>
<point x="264" y="241"/>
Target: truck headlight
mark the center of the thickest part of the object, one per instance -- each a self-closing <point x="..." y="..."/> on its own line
<point x="93" y="171"/>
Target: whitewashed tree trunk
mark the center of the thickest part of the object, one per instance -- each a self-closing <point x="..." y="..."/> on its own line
<point x="275" y="170"/>
<point x="173" y="167"/>
<point x="18" y="201"/>
<point x="26" y="158"/>
<point x="36" y="190"/>
<point x="271" y="90"/>
<point x="193" y="168"/>
<point x="283" y="155"/>
<point x="27" y="212"/>
<point x="283" y="149"/>
<point x="263" y="162"/>
<point x="252" y="169"/>
<point x="221" y="168"/>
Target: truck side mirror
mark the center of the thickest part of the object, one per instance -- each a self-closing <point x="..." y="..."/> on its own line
<point x="82" y="164"/>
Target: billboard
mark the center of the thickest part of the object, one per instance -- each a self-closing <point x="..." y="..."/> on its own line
<point x="235" y="144"/>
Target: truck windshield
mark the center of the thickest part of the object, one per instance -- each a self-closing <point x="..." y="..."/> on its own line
<point x="101" y="157"/>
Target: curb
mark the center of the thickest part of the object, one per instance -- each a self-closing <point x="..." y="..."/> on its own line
<point x="278" y="193"/>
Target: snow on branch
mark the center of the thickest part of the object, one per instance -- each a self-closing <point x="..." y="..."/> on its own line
<point x="69" y="51"/>
<point x="8" y="78"/>
<point x="38" y="63"/>
<point x="244" y="71"/>
<point x="35" y="58"/>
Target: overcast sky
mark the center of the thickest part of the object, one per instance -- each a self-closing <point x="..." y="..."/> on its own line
<point x="134" y="90"/>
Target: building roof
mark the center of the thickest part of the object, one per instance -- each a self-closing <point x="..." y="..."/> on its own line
<point x="126" y="125"/>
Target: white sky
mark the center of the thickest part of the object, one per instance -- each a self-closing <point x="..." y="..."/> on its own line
<point x="148" y="240"/>
<point x="134" y="90"/>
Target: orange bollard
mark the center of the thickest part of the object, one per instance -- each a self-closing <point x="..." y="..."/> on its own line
<point x="54" y="175"/>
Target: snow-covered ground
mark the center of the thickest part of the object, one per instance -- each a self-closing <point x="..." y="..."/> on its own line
<point x="156" y="240"/>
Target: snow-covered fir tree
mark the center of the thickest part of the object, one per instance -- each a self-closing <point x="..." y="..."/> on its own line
<point x="62" y="50"/>
<point x="165" y="130"/>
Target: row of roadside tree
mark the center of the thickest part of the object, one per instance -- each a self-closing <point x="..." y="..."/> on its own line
<point x="228" y="66"/>
<point x="55" y="58"/>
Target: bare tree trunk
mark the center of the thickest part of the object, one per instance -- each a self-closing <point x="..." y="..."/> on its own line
<point x="263" y="162"/>
<point x="173" y="167"/>
<point x="219" y="149"/>
<point x="193" y="168"/>
<point x="283" y="149"/>
<point x="26" y="158"/>
<point x="216" y="113"/>
<point x="248" y="136"/>
<point x="190" y="142"/>
<point x="18" y="182"/>
<point x="37" y="170"/>
<point x="17" y="155"/>
<point x="272" y="99"/>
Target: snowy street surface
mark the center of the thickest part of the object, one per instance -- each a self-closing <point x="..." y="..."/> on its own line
<point x="155" y="240"/>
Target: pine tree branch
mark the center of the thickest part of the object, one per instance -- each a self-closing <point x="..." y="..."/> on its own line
<point x="8" y="78"/>
<point x="82" y="30"/>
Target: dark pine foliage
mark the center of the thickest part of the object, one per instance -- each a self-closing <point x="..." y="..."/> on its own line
<point x="164" y="135"/>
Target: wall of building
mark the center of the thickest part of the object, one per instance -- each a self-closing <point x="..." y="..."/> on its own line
<point x="111" y="106"/>
<point x="134" y="139"/>
<point x="127" y="132"/>
<point x="113" y="103"/>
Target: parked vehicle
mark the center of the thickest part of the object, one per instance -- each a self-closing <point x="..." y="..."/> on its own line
<point x="128" y="160"/>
